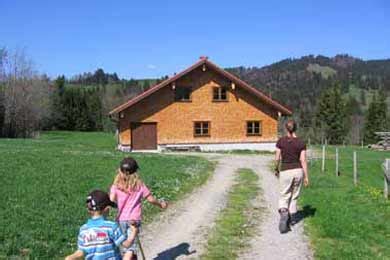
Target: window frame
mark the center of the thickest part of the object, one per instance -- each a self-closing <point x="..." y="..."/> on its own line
<point x="219" y="89"/>
<point x="183" y="100"/>
<point x="202" y="127"/>
<point x="253" y="127"/>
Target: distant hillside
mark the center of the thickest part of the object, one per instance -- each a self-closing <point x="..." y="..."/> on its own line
<point x="299" y="82"/>
<point x="294" y="82"/>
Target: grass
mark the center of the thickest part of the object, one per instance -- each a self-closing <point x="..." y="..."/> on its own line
<point x="232" y="228"/>
<point x="348" y="222"/>
<point x="44" y="183"/>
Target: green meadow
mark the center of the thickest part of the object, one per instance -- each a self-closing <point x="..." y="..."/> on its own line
<point x="44" y="183"/>
<point x="344" y="221"/>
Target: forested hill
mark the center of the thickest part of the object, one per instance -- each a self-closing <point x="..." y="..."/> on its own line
<point x="299" y="82"/>
<point x="340" y="99"/>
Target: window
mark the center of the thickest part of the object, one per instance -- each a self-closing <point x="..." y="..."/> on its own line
<point x="253" y="128"/>
<point x="219" y="94"/>
<point x="201" y="128"/>
<point x="183" y="94"/>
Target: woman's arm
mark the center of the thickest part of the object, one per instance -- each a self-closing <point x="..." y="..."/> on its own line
<point x="302" y="158"/>
<point x="277" y="161"/>
<point x="152" y="200"/>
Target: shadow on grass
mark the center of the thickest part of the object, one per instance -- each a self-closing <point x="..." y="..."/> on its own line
<point x="307" y="212"/>
<point x="174" y="252"/>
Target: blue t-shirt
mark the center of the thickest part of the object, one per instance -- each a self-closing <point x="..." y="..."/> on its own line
<point x="100" y="239"/>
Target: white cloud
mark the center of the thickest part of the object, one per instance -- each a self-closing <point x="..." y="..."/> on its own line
<point x="151" y="66"/>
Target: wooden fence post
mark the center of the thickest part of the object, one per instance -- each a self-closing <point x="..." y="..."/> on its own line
<point x="323" y="159"/>
<point x="355" y="177"/>
<point x="386" y="178"/>
<point x="337" y="161"/>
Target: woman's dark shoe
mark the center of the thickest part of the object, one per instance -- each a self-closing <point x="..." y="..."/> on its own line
<point x="293" y="219"/>
<point x="284" y="226"/>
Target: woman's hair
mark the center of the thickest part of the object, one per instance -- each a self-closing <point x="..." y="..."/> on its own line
<point x="291" y="126"/>
<point x="127" y="182"/>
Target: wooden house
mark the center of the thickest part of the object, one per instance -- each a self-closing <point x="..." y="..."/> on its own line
<point x="204" y="107"/>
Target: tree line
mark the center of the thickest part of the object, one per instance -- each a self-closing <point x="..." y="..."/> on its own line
<point x="338" y="100"/>
<point x="30" y="102"/>
<point x="335" y="116"/>
<point x="78" y="106"/>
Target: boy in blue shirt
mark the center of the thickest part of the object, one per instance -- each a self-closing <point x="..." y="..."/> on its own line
<point x="99" y="238"/>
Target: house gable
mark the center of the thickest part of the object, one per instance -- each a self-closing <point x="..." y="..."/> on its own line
<point x="204" y="65"/>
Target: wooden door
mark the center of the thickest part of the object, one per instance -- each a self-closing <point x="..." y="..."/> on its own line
<point x="144" y="136"/>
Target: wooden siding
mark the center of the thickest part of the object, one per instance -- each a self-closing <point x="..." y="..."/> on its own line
<point x="175" y="120"/>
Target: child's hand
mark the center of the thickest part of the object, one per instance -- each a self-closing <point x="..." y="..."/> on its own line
<point x="131" y="238"/>
<point x="163" y="204"/>
<point x="134" y="228"/>
<point x="127" y="243"/>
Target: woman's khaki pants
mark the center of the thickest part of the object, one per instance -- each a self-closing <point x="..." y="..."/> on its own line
<point x="290" y="183"/>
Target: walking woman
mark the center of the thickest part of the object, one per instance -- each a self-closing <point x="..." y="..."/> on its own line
<point x="291" y="161"/>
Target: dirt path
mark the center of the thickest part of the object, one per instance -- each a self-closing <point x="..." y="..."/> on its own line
<point x="181" y="231"/>
<point x="267" y="242"/>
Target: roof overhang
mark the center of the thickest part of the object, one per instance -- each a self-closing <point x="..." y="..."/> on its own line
<point x="204" y="61"/>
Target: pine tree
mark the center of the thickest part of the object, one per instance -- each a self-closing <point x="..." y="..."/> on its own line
<point x="352" y="106"/>
<point x="354" y="120"/>
<point x="363" y="100"/>
<point x="57" y="106"/>
<point x="81" y="111"/>
<point x="330" y="117"/>
<point x="376" y="117"/>
<point x="94" y="109"/>
<point x="2" y="109"/>
<point x="382" y="111"/>
<point x="371" y="121"/>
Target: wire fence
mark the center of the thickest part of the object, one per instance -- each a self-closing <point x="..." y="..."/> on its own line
<point x="363" y="166"/>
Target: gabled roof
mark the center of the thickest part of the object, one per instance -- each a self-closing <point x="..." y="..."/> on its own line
<point x="209" y="65"/>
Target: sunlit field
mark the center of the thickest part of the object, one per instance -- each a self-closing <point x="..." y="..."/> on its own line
<point x="45" y="181"/>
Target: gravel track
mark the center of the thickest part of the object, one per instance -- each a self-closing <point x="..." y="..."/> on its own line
<point x="267" y="242"/>
<point x="181" y="231"/>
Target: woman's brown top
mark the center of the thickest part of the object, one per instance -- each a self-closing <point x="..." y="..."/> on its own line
<point x="291" y="148"/>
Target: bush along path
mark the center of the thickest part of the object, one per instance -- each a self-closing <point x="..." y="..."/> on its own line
<point x="232" y="228"/>
<point x="183" y="231"/>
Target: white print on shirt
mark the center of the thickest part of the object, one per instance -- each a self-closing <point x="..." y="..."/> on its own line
<point x="93" y="236"/>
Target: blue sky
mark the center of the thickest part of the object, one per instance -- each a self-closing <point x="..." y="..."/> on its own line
<point x="154" y="38"/>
